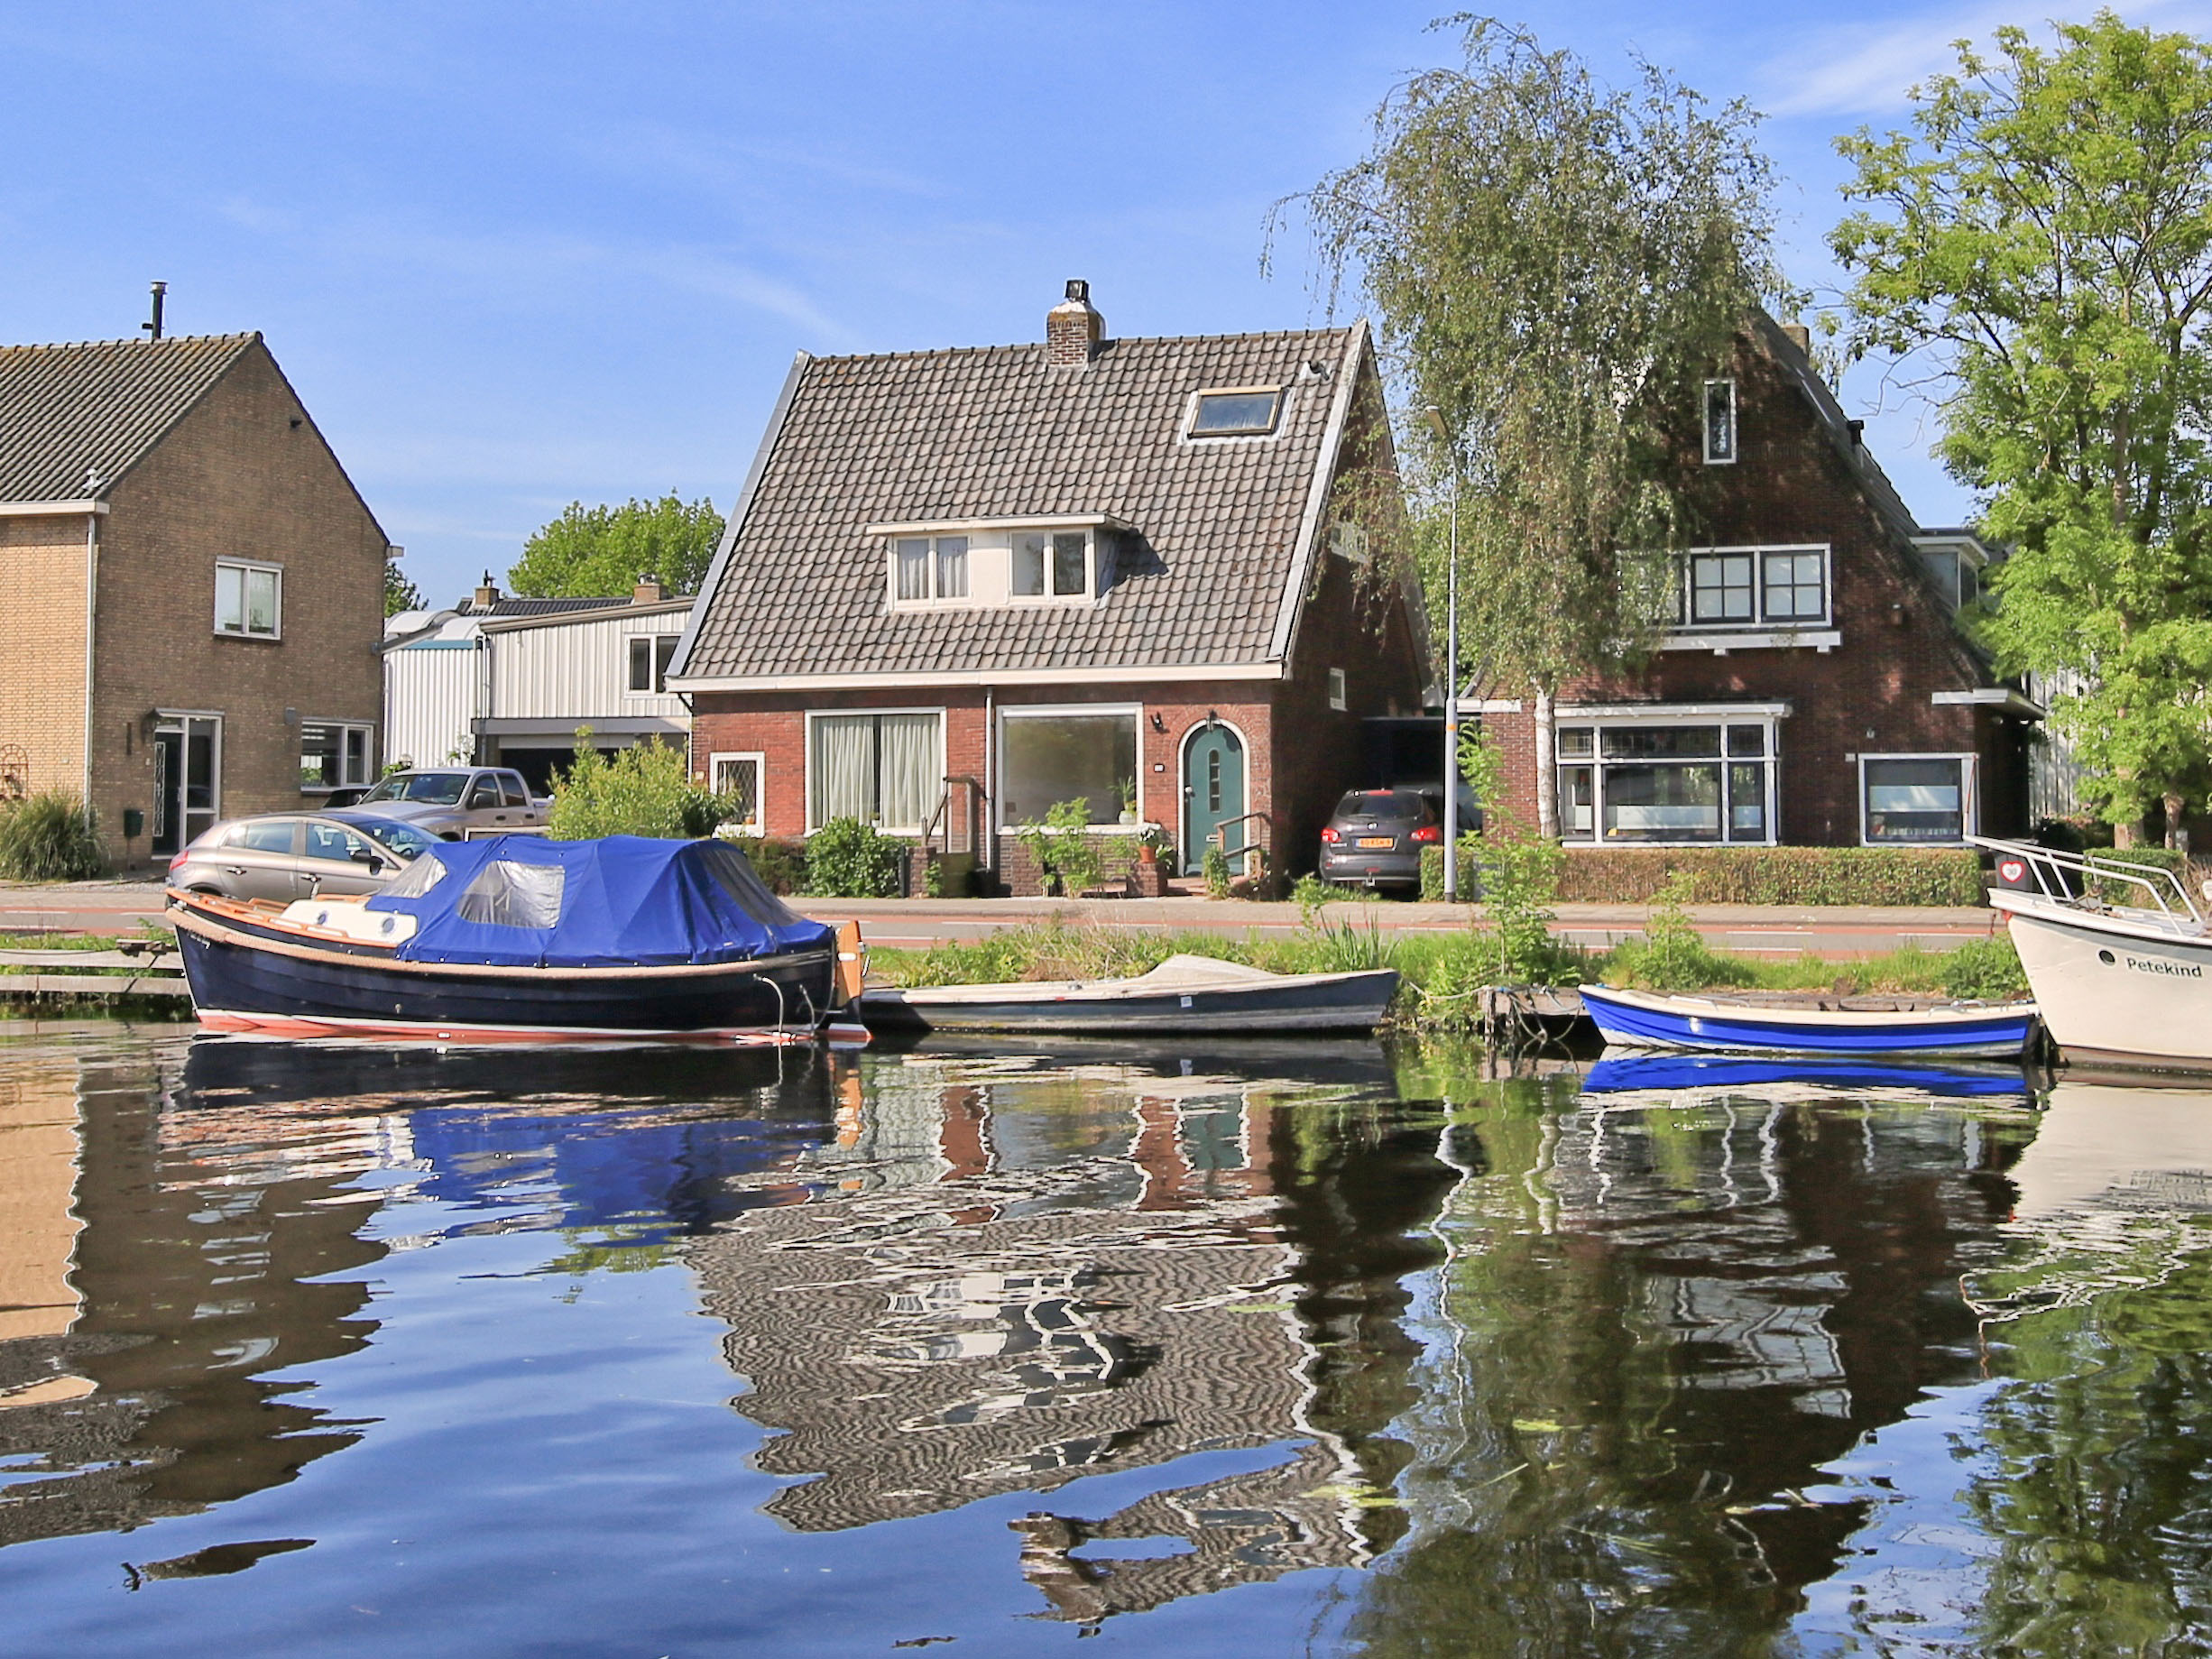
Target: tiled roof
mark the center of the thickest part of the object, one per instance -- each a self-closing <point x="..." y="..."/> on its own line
<point x="537" y="607"/>
<point x="998" y="433"/>
<point x="98" y="406"/>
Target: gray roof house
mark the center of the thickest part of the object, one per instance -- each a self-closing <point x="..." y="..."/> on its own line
<point x="196" y="585"/>
<point x="961" y="587"/>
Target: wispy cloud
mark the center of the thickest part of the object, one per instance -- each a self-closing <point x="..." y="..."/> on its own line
<point x="1862" y="69"/>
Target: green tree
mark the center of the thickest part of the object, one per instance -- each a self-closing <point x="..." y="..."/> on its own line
<point x="646" y="789"/>
<point x="591" y="551"/>
<point x="1555" y="267"/>
<point x="2043" y="237"/>
<point x="399" y="593"/>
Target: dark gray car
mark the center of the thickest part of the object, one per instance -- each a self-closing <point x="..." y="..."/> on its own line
<point x="283" y="856"/>
<point x="1374" y="838"/>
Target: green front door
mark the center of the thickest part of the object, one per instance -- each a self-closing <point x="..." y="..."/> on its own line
<point x="1212" y="794"/>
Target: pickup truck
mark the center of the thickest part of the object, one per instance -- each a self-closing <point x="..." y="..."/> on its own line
<point x="455" y="802"/>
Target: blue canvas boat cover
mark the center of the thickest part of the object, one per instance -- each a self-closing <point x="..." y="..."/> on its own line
<point x="525" y="901"/>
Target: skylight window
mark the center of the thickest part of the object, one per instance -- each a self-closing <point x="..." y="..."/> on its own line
<point x="1250" y="411"/>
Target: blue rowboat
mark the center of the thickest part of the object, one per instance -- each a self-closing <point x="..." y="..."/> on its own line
<point x="1644" y="1019"/>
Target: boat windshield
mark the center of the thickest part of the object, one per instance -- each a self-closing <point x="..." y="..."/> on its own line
<point x="435" y="788"/>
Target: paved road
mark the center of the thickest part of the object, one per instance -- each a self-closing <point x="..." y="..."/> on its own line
<point x="119" y="907"/>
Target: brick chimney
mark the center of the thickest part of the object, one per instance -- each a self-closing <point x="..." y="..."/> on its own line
<point x="487" y="593"/>
<point x="649" y="591"/>
<point x="1072" y="328"/>
<point x="1800" y="336"/>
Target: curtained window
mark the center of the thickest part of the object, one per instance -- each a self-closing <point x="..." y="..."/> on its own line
<point x="883" y="769"/>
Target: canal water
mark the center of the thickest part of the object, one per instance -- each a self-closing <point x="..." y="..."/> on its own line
<point x="1264" y="1349"/>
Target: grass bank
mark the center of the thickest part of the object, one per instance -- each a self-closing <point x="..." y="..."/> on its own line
<point x="1441" y="972"/>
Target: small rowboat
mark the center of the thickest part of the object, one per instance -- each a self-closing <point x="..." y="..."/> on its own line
<point x="1183" y="994"/>
<point x="1824" y="1026"/>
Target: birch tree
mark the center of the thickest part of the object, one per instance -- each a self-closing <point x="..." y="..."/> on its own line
<point x="2042" y="239"/>
<point x="1556" y="266"/>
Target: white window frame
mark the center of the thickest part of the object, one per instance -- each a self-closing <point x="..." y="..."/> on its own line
<point x="247" y="568"/>
<point x="1769" y="628"/>
<point x="1043" y="711"/>
<point x="1705" y="423"/>
<point x="758" y="827"/>
<point x="1090" y="569"/>
<point x="368" y="754"/>
<point x="1189" y="433"/>
<point x="1339" y="692"/>
<point x="1969" y="798"/>
<point x="658" y="670"/>
<point x="1766" y="715"/>
<point x="933" y="541"/>
<point x="814" y="714"/>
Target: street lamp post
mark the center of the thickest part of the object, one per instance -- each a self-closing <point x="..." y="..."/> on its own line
<point x="1452" y="671"/>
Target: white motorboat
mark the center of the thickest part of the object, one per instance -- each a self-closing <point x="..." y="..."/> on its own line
<point x="2118" y="955"/>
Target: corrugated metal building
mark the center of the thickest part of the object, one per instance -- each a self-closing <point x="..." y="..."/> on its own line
<point x="512" y="680"/>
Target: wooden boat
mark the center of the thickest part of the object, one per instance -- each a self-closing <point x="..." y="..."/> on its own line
<point x="1854" y="1026"/>
<point x="519" y="937"/>
<point x="2118" y="955"/>
<point x="1185" y="994"/>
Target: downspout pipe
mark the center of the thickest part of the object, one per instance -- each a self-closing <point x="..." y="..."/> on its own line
<point x="92" y="581"/>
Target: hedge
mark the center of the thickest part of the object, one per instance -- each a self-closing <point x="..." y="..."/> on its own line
<point x="1932" y="876"/>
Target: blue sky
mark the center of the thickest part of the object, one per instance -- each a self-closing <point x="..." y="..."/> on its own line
<point x="515" y="255"/>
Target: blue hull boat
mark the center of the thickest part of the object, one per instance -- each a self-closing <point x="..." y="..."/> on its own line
<point x="1644" y="1020"/>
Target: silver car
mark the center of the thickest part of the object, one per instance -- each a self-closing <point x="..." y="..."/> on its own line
<point x="454" y="803"/>
<point x="284" y="856"/>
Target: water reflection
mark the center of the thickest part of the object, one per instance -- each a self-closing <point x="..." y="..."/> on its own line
<point x="161" y="1264"/>
<point x="1364" y="1355"/>
<point x="1012" y="1273"/>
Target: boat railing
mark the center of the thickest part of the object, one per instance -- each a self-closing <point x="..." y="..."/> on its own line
<point x="2082" y="881"/>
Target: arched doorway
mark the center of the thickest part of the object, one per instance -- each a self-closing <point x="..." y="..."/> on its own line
<point x="1212" y="790"/>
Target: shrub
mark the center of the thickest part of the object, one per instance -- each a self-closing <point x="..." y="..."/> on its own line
<point x="1774" y="875"/>
<point x="2145" y="859"/>
<point x="645" y="791"/>
<point x="781" y="864"/>
<point x="846" y="859"/>
<point x="51" y="836"/>
<point x="1213" y="871"/>
<point x="1470" y="875"/>
<point x="1062" y="846"/>
<point x="1986" y="971"/>
<point x="1310" y="890"/>
<point x="1672" y="955"/>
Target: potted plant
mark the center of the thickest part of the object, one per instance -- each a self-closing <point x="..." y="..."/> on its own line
<point x="1128" y="802"/>
<point x="1150" y="839"/>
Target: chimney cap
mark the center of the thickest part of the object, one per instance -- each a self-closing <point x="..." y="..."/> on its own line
<point x="1079" y="290"/>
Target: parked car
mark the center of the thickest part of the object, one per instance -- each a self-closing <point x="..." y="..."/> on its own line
<point x="1374" y="838"/>
<point x="286" y="856"/>
<point x="452" y="802"/>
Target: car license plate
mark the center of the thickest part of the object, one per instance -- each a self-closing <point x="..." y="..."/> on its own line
<point x="1378" y="840"/>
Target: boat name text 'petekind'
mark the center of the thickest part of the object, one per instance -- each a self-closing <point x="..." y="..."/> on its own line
<point x="2180" y="970"/>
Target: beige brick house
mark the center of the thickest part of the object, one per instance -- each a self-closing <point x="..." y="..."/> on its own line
<point x="194" y="588"/>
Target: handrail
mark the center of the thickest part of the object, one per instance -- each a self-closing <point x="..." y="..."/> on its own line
<point x="977" y="823"/>
<point x="1220" y="838"/>
<point x="2052" y="865"/>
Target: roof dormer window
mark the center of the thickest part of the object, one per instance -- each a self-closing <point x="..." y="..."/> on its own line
<point x="929" y="567"/>
<point x="1054" y="565"/>
<point x="1237" y="411"/>
<point x="970" y="564"/>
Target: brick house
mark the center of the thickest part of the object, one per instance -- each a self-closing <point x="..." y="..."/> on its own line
<point x="961" y="586"/>
<point x="1814" y="688"/>
<point x="195" y="588"/>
